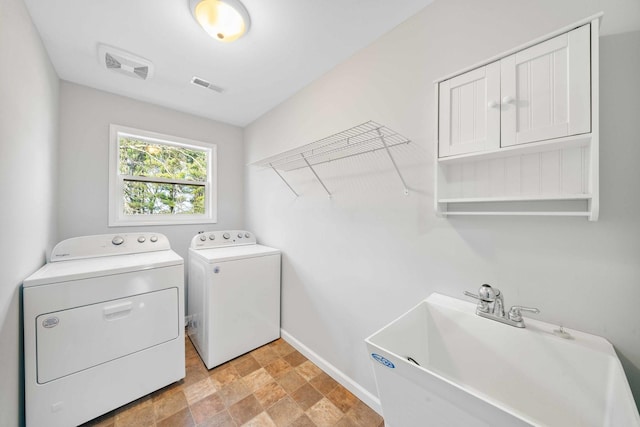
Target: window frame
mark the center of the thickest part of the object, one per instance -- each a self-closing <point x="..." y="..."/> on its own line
<point x="117" y="217"/>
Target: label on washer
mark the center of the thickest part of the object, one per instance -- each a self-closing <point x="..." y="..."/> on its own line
<point x="50" y="322"/>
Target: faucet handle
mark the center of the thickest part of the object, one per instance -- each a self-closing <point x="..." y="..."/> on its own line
<point x="469" y="294"/>
<point x="516" y="315"/>
<point x="482" y="304"/>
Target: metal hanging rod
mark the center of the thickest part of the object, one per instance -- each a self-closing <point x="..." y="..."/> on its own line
<point x="365" y="138"/>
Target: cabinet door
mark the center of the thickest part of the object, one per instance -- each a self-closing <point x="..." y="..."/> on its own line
<point x="546" y="89"/>
<point x="469" y="112"/>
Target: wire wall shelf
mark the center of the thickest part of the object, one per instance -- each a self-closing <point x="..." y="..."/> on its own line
<point x="365" y="138"/>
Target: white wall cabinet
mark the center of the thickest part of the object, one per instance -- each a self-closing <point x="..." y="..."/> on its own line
<point x="539" y="93"/>
<point x="518" y="134"/>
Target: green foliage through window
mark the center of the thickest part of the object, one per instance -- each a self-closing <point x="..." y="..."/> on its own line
<point x="158" y="165"/>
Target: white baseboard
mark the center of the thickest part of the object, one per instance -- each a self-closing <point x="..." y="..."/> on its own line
<point x="347" y="382"/>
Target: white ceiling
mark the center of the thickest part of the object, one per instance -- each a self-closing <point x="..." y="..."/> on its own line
<point x="290" y="44"/>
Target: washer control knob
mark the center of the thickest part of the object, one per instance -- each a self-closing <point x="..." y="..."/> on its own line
<point x="226" y="236"/>
<point x="203" y="238"/>
<point x="141" y="239"/>
<point x="153" y="238"/>
<point x="117" y="240"/>
<point x="212" y="236"/>
<point x="247" y="235"/>
<point x="239" y="235"/>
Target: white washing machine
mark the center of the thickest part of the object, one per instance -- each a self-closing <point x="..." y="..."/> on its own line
<point x="103" y="326"/>
<point x="233" y="293"/>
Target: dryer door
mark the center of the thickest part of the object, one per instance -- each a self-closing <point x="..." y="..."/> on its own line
<point x="72" y="340"/>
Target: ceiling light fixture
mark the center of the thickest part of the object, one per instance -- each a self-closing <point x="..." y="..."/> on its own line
<point x="224" y="20"/>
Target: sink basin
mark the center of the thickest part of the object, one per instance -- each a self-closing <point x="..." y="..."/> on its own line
<point x="471" y="371"/>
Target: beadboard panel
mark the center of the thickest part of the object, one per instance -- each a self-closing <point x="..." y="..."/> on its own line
<point x="554" y="173"/>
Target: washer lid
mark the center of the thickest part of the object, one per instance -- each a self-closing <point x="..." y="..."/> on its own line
<point x="232" y="252"/>
<point x="56" y="272"/>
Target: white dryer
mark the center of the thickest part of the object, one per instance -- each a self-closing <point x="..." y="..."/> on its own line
<point x="233" y="295"/>
<point x="103" y="326"/>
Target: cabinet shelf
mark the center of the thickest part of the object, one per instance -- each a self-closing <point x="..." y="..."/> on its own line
<point x="517" y="198"/>
<point x="365" y="138"/>
<point x="519" y="213"/>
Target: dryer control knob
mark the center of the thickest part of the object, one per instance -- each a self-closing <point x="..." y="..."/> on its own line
<point x="153" y="238"/>
<point x="247" y="235"/>
<point x="203" y="237"/>
<point x="226" y="236"/>
<point x="117" y="240"/>
<point x="239" y="235"/>
<point x="141" y="239"/>
<point x="212" y="236"/>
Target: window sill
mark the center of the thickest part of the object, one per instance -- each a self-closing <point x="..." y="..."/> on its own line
<point x="160" y="221"/>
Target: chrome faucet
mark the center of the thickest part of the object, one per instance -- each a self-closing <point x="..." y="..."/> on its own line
<point x="491" y="306"/>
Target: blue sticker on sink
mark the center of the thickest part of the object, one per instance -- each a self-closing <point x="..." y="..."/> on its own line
<point x="386" y="362"/>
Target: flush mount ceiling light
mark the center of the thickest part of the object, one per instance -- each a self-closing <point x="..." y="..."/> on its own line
<point x="224" y="20"/>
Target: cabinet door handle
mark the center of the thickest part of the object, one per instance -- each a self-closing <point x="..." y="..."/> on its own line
<point x="508" y="99"/>
<point x="493" y="104"/>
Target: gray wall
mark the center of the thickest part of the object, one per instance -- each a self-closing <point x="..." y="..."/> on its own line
<point x="353" y="263"/>
<point x="85" y="116"/>
<point x="28" y="145"/>
<point x="620" y="202"/>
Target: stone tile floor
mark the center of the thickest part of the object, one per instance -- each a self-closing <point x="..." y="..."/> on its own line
<point x="273" y="385"/>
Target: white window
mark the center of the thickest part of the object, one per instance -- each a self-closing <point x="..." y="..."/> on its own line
<point x="160" y="179"/>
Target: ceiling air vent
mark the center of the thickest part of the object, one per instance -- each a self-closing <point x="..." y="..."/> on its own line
<point x="202" y="82"/>
<point x="123" y="62"/>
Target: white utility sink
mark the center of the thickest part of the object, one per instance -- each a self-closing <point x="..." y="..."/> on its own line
<point x="478" y="372"/>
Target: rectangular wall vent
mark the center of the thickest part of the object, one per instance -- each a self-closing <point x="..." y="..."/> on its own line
<point x="202" y="82"/>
